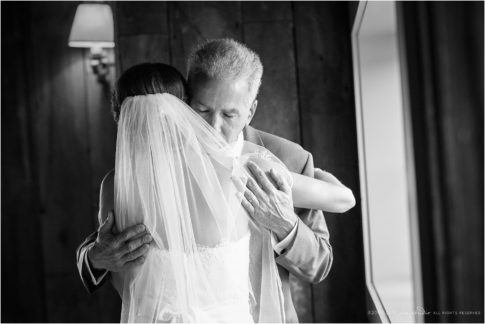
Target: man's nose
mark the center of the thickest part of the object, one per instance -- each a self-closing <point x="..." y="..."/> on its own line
<point x="216" y="122"/>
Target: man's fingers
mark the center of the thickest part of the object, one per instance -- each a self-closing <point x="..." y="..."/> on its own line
<point x="129" y="233"/>
<point x="137" y="241"/>
<point x="251" y="198"/>
<point x="137" y="262"/>
<point x="246" y="204"/>
<point x="140" y="251"/>
<point x="139" y="235"/>
<point x="252" y="185"/>
<point x="261" y="177"/>
<point x="280" y="182"/>
<point x="249" y="208"/>
<point x="107" y="224"/>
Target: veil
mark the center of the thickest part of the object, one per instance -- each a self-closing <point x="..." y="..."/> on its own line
<point x="208" y="260"/>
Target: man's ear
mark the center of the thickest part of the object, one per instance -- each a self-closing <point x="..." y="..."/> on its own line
<point x="252" y="111"/>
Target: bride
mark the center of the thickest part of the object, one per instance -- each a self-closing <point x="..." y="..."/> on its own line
<point x="208" y="261"/>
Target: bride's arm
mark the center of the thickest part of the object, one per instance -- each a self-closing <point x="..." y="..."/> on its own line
<point x="325" y="193"/>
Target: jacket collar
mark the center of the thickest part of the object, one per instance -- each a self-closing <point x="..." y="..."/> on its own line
<point x="252" y="135"/>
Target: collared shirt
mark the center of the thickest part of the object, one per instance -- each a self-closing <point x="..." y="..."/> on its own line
<point x="84" y="256"/>
<point x="237" y="146"/>
<point x="279" y="247"/>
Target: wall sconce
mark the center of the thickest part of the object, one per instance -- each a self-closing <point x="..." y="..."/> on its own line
<point x="93" y="28"/>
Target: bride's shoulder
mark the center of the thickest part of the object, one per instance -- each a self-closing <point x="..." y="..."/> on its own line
<point x="291" y="154"/>
<point x="275" y="142"/>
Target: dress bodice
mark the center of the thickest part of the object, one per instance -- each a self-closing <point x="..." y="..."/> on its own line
<point x="224" y="272"/>
<point x="220" y="288"/>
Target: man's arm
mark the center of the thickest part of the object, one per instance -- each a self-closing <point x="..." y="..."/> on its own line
<point x="107" y="250"/>
<point x="104" y="252"/>
<point x="92" y="278"/>
<point x="309" y="254"/>
<point x="111" y="252"/>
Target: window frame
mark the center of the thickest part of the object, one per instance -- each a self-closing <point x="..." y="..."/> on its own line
<point x="410" y="171"/>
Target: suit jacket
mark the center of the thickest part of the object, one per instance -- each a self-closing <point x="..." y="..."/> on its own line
<point x="309" y="256"/>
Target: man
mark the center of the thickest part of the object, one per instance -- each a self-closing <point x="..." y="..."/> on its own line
<point x="223" y="80"/>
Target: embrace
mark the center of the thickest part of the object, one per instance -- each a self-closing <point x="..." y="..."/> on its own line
<point x="204" y="217"/>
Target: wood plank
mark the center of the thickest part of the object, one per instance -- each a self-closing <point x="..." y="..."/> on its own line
<point x="138" y="49"/>
<point x="269" y="11"/>
<point x="51" y="105"/>
<point x="22" y="264"/>
<point x="326" y="98"/>
<point x="62" y="147"/>
<point x="68" y="199"/>
<point x="193" y="22"/>
<point x="141" y="33"/>
<point x="69" y="301"/>
<point x="141" y="18"/>
<point x="277" y="111"/>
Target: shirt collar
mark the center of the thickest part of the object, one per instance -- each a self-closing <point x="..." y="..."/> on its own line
<point x="237" y="146"/>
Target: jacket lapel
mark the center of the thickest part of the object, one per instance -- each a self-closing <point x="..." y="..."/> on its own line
<point x="252" y="135"/>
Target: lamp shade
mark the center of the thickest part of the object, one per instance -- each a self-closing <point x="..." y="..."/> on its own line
<point x="92" y="26"/>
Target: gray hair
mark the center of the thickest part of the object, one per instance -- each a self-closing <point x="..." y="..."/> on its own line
<point x="225" y="58"/>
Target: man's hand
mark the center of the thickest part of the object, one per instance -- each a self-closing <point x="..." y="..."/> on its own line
<point x="269" y="204"/>
<point x="116" y="252"/>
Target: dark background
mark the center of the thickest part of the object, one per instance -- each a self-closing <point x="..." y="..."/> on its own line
<point x="58" y="140"/>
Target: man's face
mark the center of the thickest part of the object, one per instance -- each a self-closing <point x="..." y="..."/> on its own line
<point x="224" y="105"/>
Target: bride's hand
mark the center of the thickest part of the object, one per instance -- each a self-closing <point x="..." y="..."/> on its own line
<point x="117" y="252"/>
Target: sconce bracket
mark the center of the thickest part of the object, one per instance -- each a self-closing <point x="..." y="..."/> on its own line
<point x="100" y="65"/>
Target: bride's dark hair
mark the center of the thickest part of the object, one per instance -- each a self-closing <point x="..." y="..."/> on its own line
<point x="147" y="78"/>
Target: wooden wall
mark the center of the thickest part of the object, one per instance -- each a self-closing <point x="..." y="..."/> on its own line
<point x="59" y="137"/>
<point x="329" y="131"/>
<point x="57" y="142"/>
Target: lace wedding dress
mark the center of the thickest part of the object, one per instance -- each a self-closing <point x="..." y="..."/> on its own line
<point x="226" y="267"/>
<point x="208" y="261"/>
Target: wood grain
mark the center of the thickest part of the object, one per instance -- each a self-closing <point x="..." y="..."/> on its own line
<point x="141" y="31"/>
<point x="194" y="22"/>
<point x="141" y="18"/>
<point x="22" y="262"/>
<point x="277" y="111"/>
<point x="269" y="11"/>
<point x="326" y="101"/>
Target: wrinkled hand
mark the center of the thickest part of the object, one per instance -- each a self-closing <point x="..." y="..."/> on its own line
<point x="120" y="251"/>
<point x="269" y="204"/>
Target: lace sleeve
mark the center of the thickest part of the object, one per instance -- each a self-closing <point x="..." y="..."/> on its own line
<point x="266" y="161"/>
